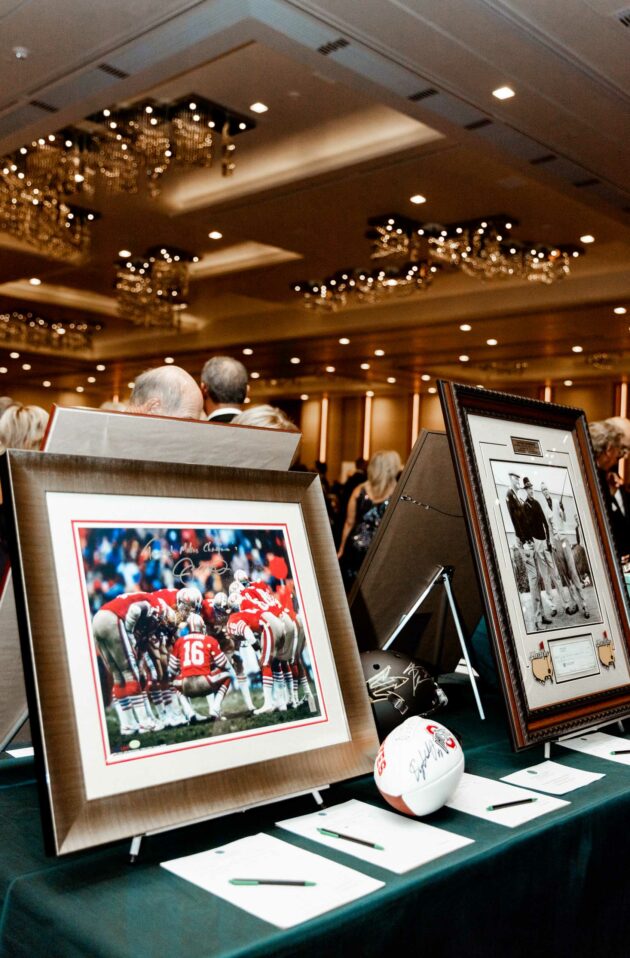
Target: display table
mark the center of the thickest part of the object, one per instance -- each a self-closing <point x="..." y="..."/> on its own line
<point x="558" y="886"/>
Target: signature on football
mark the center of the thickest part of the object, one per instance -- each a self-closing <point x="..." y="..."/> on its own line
<point x="432" y="751"/>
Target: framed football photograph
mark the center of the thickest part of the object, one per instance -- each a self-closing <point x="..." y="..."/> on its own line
<point x="188" y="648"/>
<point x="556" y="603"/>
<point x="113" y="434"/>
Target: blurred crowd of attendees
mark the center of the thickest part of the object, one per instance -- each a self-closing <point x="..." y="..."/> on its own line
<point x="119" y="561"/>
<point x="356" y="506"/>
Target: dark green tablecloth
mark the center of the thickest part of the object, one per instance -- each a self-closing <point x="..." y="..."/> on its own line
<point x="555" y="887"/>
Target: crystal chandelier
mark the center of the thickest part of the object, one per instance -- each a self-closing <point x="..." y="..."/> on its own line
<point x="351" y="286"/>
<point x="34" y="331"/>
<point x="34" y="212"/>
<point x="120" y="148"/>
<point x="141" y="143"/>
<point x="152" y="290"/>
<point x="481" y="248"/>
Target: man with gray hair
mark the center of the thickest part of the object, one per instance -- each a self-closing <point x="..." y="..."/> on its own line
<point x="166" y="391"/>
<point x="224" y="388"/>
<point x="611" y="442"/>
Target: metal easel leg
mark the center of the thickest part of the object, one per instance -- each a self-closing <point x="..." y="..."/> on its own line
<point x="412" y="611"/>
<point x="134" y="848"/>
<point x="447" y="586"/>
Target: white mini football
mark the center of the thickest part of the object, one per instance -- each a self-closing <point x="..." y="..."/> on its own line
<point x="418" y="766"/>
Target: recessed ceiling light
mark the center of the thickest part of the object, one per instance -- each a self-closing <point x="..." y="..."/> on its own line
<point x="258" y="107"/>
<point x="46" y="384"/>
<point x="587" y="238"/>
<point x="254" y="375"/>
<point x="91" y="379"/>
<point x="465" y="327"/>
<point x="344" y="341"/>
<point x="26" y="366"/>
<point x="370" y="393"/>
<point x="34" y="281"/>
<point x="379" y="352"/>
<point x="304" y="397"/>
<point x="365" y="365"/>
<point x="568" y="382"/>
<point x="248" y="351"/>
<point x="124" y="253"/>
<point x="620" y="310"/>
<point x="577" y="349"/>
<point x="464" y="358"/>
<point x="100" y="368"/>
<point x="330" y="369"/>
<point x="432" y="389"/>
<point x="417" y="198"/>
<point x="425" y="377"/>
<point x="295" y="360"/>
<point x="391" y="379"/>
<point x="14" y="355"/>
<point x="215" y="235"/>
<point x="3" y="370"/>
<point x="503" y="93"/>
<point x="131" y="385"/>
<point x="79" y="389"/>
<point x="492" y="342"/>
<point x="168" y="360"/>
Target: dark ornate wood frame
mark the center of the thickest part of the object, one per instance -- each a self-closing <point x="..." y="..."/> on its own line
<point x="529" y="727"/>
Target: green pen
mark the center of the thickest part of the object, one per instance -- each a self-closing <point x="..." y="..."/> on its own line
<point x="272" y="881"/>
<point x="350" y="838"/>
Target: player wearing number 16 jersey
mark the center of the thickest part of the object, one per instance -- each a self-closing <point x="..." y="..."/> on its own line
<point x="202" y="668"/>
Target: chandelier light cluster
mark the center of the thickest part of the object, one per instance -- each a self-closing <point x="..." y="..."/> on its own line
<point x="119" y="148"/>
<point x="33" y="211"/>
<point x="365" y="286"/>
<point x="27" y="329"/>
<point x="142" y="142"/>
<point x="152" y="290"/>
<point x="482" y="248"/>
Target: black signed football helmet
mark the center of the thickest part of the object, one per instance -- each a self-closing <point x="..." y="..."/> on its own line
<point x="399" y="687"/>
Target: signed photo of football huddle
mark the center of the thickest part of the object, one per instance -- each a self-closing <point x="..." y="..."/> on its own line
<point x="198" y="634"/>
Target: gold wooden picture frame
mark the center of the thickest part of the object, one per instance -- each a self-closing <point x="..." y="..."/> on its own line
<point x="100" y="779"/>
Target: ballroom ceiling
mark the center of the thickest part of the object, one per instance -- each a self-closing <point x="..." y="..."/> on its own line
<point x="369" y="103"/>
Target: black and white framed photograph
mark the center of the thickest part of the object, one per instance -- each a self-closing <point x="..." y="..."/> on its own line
<point x="555" y="599"/>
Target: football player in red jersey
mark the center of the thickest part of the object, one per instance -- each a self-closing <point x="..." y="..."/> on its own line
<point x="247" y="614"/>
<point x="231" y="640"/>
<point x="113" y="627"/>
<point x="153" y="649"/>
<point x="201" y="667"/>
<point x="289" y="666"/>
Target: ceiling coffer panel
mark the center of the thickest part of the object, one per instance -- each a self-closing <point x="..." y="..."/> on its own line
<point x="79" y="87"/>
<point x="17" y="119"/>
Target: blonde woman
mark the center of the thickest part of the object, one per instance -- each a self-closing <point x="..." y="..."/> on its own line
<point x="269" y="416"/>
<point x="22" y="427"/>
<point x="366" y="508"/>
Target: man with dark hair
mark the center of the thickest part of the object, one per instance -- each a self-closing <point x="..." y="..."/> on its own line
<point x="224" y="388"/>
<point x="166" y="391"/>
